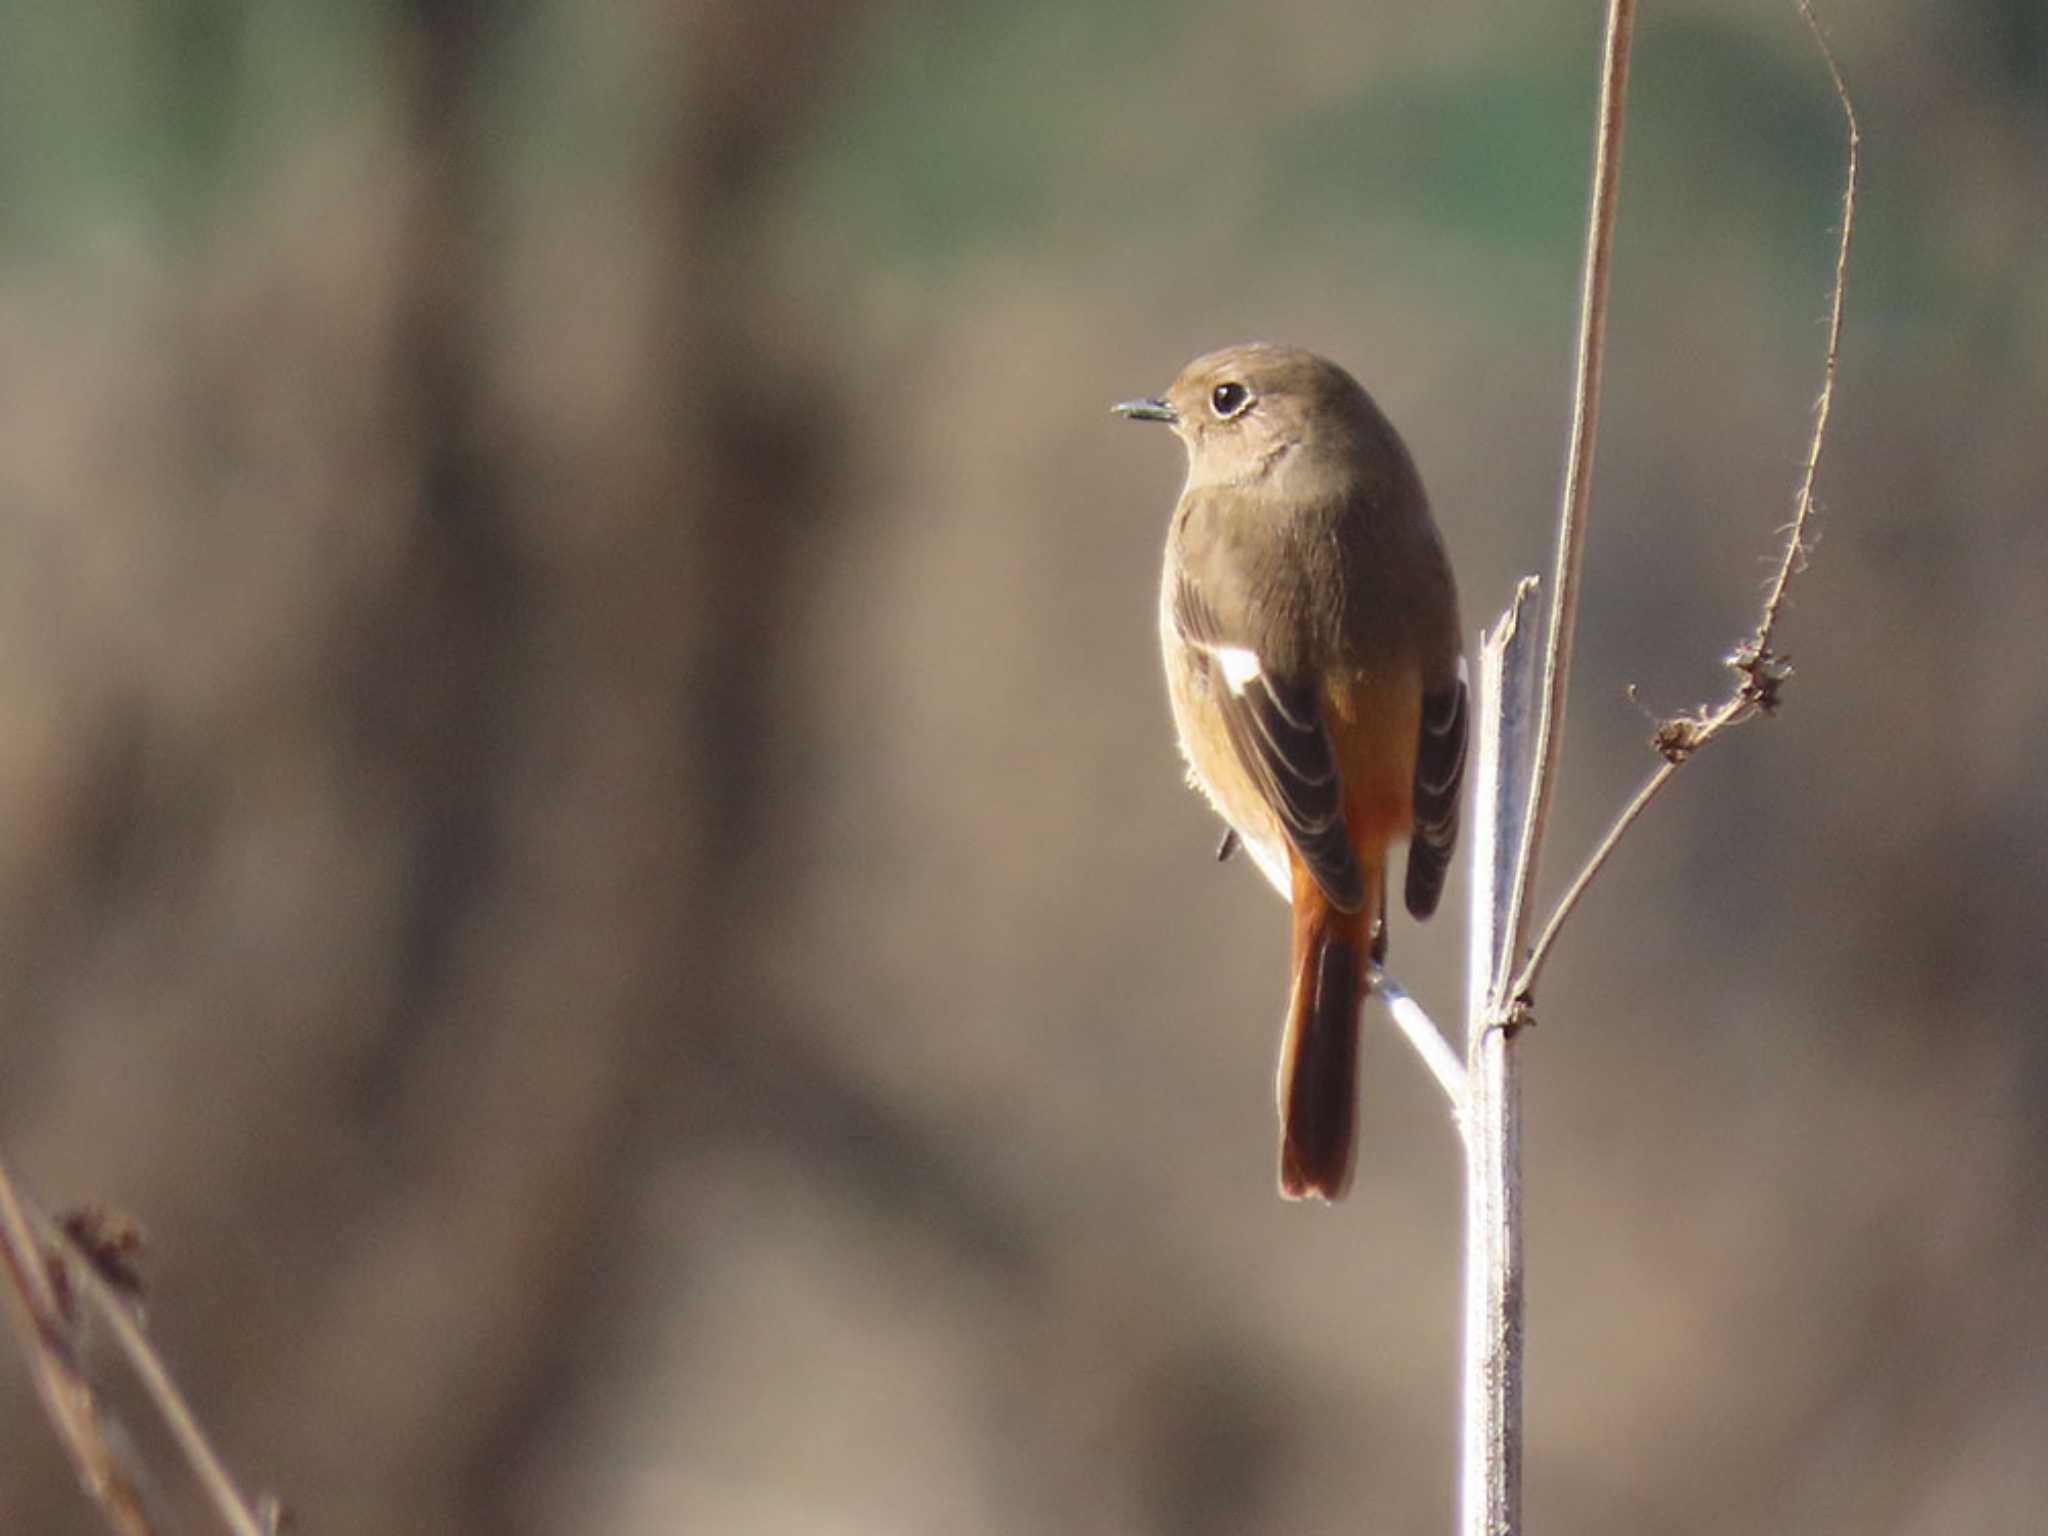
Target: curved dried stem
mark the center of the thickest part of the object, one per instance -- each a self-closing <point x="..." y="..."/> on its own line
<point x="1761" y="673"/>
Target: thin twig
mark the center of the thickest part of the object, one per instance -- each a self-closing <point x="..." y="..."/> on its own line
<point x="1761" y="672"/>
<point x="1429" y="1043"/>
<point x="52" y="1329"/>
<point x="1578" y="481"/>
<point x="1707" y="729"/>
<point x="235" y="1512"/>
<point x="49" y="1332"/>
<point x="1795" y="543"/>
<point x="24" y="1258"/>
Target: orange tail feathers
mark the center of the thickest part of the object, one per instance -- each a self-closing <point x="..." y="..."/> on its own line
<point x="1319" y="1053"/>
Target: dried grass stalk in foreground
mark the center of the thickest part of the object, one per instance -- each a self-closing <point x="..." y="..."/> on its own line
<point x="63" y="1279"/>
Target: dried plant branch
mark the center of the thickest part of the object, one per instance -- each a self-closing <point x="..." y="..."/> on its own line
<point x="23" y="1258"/>
<point x="1761" y="673"/>
<point x="1490" y="1479"/>
<point x="1515" y="762"/>
<point x="49" y="1330"/>
<point x="1578" y="481"/>
<point x="1795" y="543"/>
<point x="52" y="1278"/>
<point x="1515" y="771"/>
<point x="235" y="1512"/>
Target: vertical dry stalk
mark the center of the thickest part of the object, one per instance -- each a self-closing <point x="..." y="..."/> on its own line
<point x="1490" y="1483"/>
<point x="1515" y="772"/>
<point x="1578" y="480"/>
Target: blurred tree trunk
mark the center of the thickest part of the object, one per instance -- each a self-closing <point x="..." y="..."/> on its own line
<point x="588" y="675"/>
<point x="530" y="747"/>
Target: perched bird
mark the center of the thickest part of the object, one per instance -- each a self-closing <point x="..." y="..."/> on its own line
<point x="1310" y="625"/>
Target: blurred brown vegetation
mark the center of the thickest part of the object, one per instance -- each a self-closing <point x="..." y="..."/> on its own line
<point x="589" y="839"/>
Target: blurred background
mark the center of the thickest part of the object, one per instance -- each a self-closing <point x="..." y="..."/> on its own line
<point x="589" y="838"/>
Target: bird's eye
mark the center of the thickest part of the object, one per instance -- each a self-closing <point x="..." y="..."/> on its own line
<point x="1226" y="400"/>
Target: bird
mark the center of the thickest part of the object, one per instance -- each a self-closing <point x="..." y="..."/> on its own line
<point x="1308" y="618"/>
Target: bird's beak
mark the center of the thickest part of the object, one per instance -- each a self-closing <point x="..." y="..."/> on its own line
<point x="1145" y="410"/>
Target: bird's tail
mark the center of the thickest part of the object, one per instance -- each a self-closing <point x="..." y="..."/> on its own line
<point x="1319" y="1053"/>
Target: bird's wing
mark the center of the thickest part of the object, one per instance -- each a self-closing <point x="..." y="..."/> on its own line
<point x="1275" y="726"/>
<point x="1439" y="775"/>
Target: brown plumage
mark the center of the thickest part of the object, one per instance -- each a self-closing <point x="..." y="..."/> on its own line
<point x="1311" y="634"/>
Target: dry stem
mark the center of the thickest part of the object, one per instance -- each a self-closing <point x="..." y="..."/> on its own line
<point x="51" y="1279"/>
<point x="1578" y="481"/>
<point x="1760" y="671"/>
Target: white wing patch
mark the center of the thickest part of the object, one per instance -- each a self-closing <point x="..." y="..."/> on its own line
<point x="1240" y="666"/>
